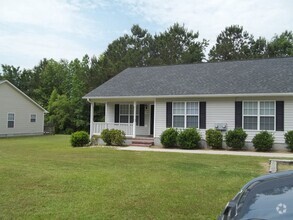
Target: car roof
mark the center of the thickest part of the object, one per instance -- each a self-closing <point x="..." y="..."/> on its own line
<point x="269" y="177"/>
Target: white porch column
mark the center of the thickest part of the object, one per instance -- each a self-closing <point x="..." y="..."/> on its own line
<point x="92" y="119"/>
<point x="106" y="112"/>
<point x="134" y="119"/>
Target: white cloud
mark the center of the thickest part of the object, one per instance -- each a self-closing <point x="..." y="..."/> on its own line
<point x="50" y="15"/>
<point x="34" y="29"/>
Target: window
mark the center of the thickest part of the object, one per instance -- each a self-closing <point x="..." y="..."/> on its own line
<point x="259" y="115"/>
<point x="10" y="120"/>
<point x="33" y="117"/>
<point x="126" y="113"/>
<point x="185" y="114"/>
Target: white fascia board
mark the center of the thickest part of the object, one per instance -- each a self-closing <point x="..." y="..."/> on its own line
<point x="190" y="96"/>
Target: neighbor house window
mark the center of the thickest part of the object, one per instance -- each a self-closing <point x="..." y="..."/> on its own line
<point x="10" y="120"/>
<point x="259" y="115"/>
<point x="185" y="114"/>
<point x="33" y="117"/>
<point x="126" y="112"/>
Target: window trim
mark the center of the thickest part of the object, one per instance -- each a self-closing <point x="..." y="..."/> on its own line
<point x="258" y="114"/>
<point x="11" y="120"/>
<point x="185" y="114"/>
<point x="129" y="114"/>
<point x="35" y="118"/>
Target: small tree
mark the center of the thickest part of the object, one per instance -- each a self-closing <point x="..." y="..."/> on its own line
<point x="214" y="138"/>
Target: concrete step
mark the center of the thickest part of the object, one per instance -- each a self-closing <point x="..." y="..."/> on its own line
<point x="141" y="145"/>
<point x="143" y="142"/>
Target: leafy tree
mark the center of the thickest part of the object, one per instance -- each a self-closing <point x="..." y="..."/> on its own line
<point x="259" y="48"/>
<point x="11" y="73"/>
<point x="60" y="112"/>
<point x="281" y="45"/>
<point x="232" y="44"/>
<point x="127" y="51"/>
<point x="178" y="45"/>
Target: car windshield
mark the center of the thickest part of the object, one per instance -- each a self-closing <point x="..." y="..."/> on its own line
<point x="271" y="199"/>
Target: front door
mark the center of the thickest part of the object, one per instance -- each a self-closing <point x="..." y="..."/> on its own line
<point x="152" y="120"/>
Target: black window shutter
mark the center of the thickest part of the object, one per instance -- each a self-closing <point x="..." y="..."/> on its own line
<point x="141" y="115"/>
<point x="238" y="114"/>
<point x="116" y="120"/>
<point x="203" y="115"/>
<point x="169" y="114"/>
<point x="279" y="115"/>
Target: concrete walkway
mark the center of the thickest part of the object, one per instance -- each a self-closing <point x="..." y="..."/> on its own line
<point x="215" y="152"/>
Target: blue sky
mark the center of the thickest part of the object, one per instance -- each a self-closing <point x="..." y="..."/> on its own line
<point x="34" y="29"/>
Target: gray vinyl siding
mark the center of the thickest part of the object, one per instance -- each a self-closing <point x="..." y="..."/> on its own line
<point x="222" y="110"/>
<point x="12" y="101"/>
<point x="160" y="117"/>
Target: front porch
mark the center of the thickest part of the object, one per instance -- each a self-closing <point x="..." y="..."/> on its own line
<point x="135" y="118"/>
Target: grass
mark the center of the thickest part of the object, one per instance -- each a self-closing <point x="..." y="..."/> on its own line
<point x="45" y="178"/>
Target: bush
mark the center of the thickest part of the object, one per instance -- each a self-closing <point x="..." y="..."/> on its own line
<point x="106" y="136"/>
<point x="214" y="138"/>
<point x="117" y="137"/>
<point x="79" y="139"/>
<point x="289" y="140"/>
<point x="263" y="141"/>
<point x="189" y="138"/>
<point x="236" y="138"/>
<point x="169" y="137"/>
<point x="113" y="137"/>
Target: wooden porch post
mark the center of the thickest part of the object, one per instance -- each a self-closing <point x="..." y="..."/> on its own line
<point x="92" y="119"/>
<point x="134" y="119"/>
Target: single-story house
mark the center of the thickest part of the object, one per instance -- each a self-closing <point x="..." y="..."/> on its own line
<point x="254" y="95"/>
<point x="19" y="114"/>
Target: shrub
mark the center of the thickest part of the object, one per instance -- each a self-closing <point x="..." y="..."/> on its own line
<point x="214" y="138"/>
<point x="189" y="138"/>
<point x="263" y="141"/>
<point x="106" y="136"/>
<point x="169" y="137"/>
<point x="117" y="137"/>
<point x="79" y="139"/>
<point x="289" y="140"/>
<point x="236" y="138"/>
<point x="113" y="137"/>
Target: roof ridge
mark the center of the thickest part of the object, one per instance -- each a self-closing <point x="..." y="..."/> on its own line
<point x="210" y="62"/>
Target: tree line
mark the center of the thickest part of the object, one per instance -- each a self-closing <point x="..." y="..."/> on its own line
<point x="59" y="85"/>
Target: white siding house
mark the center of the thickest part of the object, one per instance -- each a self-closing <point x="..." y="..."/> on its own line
<point x="254" y="95"/>
<point x="19" y="114"/>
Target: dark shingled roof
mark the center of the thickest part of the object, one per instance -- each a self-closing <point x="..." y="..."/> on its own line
<point x="232" y="77"/>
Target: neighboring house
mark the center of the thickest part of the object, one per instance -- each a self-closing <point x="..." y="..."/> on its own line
<point x="253" y="94"/>
<point x="19" y="114"/>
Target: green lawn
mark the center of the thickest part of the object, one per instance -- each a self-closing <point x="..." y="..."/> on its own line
<point x="45" y="178"/>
